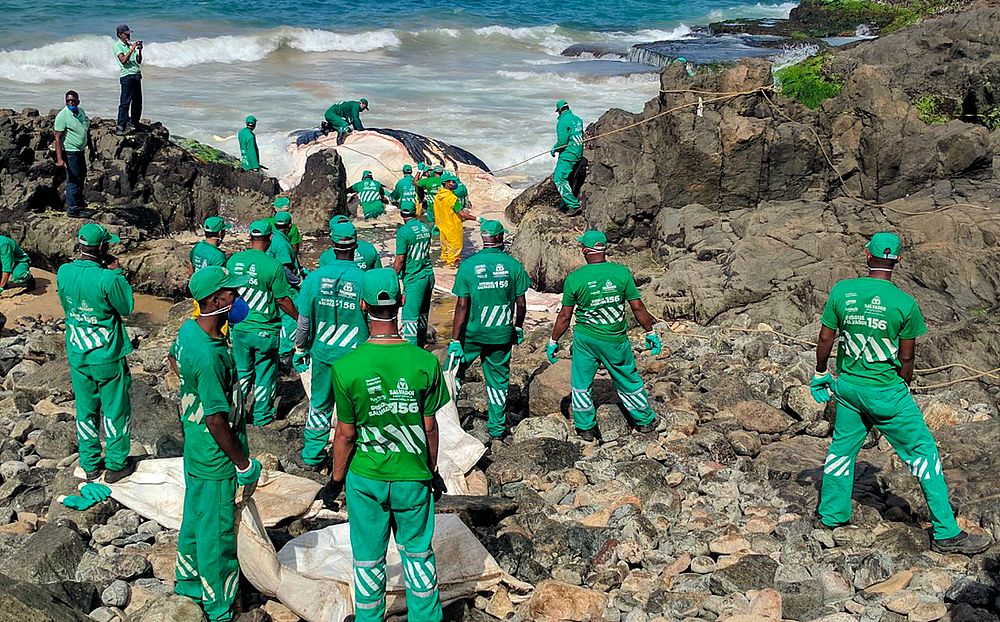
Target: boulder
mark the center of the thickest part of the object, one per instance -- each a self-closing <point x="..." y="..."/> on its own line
<point x="170" y="608"/>
<point x="531" y="457"/>
<point x="752" y="572"/>
<point x="64" y="601"/>
<point x="553" y="601"/>
<point x="759" y="417"/>
<point x="50" y="555"/>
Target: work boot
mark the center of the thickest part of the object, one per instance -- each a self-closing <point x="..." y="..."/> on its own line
<point x="120" y="131"/>
<point x="587" y="436"/>
<point x="115" y="476"/>
<point x="646" y="429"/>
<point x="94" y="475"/>
<point x="964" y="544"/>
<point x="819" y="524"/>
<point x="30" y="285"/>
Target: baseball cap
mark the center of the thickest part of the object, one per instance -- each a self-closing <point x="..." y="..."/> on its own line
<point x="380" y="287"/>
<point x="595" y="240"/>
<point x="562" y="103"/>
<point x="343" y="233"/>
<point x="93" y="234"/>
<point x="281" y="203"/>
<point x="408" y="209"/>
<point x="211" y="279"/>
<point x="407" y="168"/>
<point x="338" y="219"/>
<point x="123" y="28"/>
<point x="260" y="228"/>
<point x="492" y="228"/>
<point x="214" y="224"/>
<point x="363" y="101"/>
<point x="283" y="218"/>
<point x="251" y="119"/>
<point x="438" y="169"/>
<point x="884" y="245"/>
<point x="366" y="174"/>
<point x="422" y="166"/>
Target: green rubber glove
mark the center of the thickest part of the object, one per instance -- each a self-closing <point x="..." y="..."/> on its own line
<point x="455" y="353"/>
<point x="822" y="386"/>
<point x="79" y="504"/>
<point x="552" y="152"/>
<point x="551" y="349"/>
<point x="95" y="491"/>
<point x="520" y="334"/>
<point x="301" y="361"/>
<point x="250" y="475"/>
<point x="653" y="343"/>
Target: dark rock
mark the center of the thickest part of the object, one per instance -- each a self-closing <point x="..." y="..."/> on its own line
<point x="321" y="193"/>
<point x="56" y="441"/>
<point x="874" y="568"/>
<point x="801" y="601"/>
<point x="476" y="511"/>
<point x="155" y="421"/>
<point x="50" y="555"/>
<point x="532" y="457"/>
<point x="63" y="601"/>
<point x="970" y="592"/>
<point x="753" y="572"/>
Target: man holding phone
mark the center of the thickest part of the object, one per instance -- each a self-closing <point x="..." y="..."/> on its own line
<point x="129" y="56"/>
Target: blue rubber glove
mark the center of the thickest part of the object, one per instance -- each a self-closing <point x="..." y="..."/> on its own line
<point x="95" y="491"/>
<point x="822" y="386"/>
<point x="550" y="351"/>
<point x="653" y="343"/>
<point x="519" y="332"/>
<point x="250" y="475"/>
<point x="300" y="362"/>
<point x="455" y="353"/>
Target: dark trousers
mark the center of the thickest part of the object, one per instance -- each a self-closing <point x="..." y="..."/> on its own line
<point x="76" y="173"/>
<point x="131" y="96"/>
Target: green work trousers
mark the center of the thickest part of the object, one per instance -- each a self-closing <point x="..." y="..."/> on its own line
<point x="496" y="374"/>
<point x="617" y="357"/>
<point x="256" y="354"/>
<point x="430" y="210"/>
<point x="20" y="274"/>
<point x="340" y="124"/>
<point x="102" y="390"/>
<point x="407" y="508"/>
<point x="319" y="420"/>
<point x="560" y="177"/>
<point x="207" y="570"/>
<point x="286" y="343"/>
<point x="417" y="292"/>
<point x="893" y="411"/>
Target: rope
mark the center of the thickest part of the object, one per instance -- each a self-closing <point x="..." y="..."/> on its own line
<point x="391" y="171"/>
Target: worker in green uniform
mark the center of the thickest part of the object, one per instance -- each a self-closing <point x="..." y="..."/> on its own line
<point x="283" y="204"/>
<point x="404" y="194"/>
<point x="256" y="339"/>
<point x="599" y="292"/>
<point x="428" y="185"/>
<point x="15" y="265"/>
<point x="331" y="324"/>
<point x="371" y="195"/>
<point x="281" y="249"/>
<point x="94" y="296"/>
<point x="366" y="256"/>
<point x="879" y="325"/>
<point x="489" y="319"/>
<point x="344" y="117"/>
<point x="249" y="154"/>
<point x="216" y="457"/>
<point x="413" y="265"/>
<point x="569" y="146"/>
<point x="207" y="252"/>
<point x="388" y="392"/>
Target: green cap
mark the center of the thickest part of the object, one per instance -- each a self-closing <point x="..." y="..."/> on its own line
<point x="380" y="287"/>
<point x="885" y="245"/>
<point x="343" y="233"/>
<point x="492" y="228"/>
<point x="461" y="191"/>
<point x="281" y="203"/>
<point x="408" y="209"/>
<point x="211" y="279"/>
<point x="93" y="234"/>
<point x="260" y="228"/>
<point x="407" y="168"/>
<point x="448" y="176"/>
<point x="595" y="240"/>
<point x="422" y="166"/>
<point x="561" y="104"/>
<point x="338" y="219"/>
<point x="364" y="101"/>
<point x="366" y="174"/>
<point x="283" y="218"/>
<point x="251" y="119"/>
<point x="438" y="169"/>
<point x="214" y="224"/>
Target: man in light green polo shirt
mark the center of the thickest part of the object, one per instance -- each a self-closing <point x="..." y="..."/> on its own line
<point x="129" y="55"/>
<point x="72" y="130"/>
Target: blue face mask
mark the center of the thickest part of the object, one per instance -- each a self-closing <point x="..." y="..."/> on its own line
<point x="239" y="311"/>
<point x="72" y="108"/>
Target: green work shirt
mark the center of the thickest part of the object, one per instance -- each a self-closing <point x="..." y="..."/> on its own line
<point x="331" y="298"/>
<point x="366" y="256"/>
<point x="350" y="111"/>
<point x="405" y="192"/>
<point x="75" y="129"/>
<point x="370" y="194"/>
<point x="267" y="284"/>
<point x="11" y="254"/>
<point x="600" y="292"/>
<point x="249" y="155"/>
<point x="294" y="236"/>
<point x="492" y="280"/>
<point x="413" y="240"/>
<point x="204" y="254"/>
<point x="208" y="387"/>
<point x="130" y="67"/>
<point x="94" y="300"/>
<point x="281" y="249"/>
<point x="872" y="316"/>
<point x="430" y="186"/>
<point x="386" y="390"/>
<point x="569" y="134"/>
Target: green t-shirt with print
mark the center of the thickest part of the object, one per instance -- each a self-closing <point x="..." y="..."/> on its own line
<point x="413" y="241"/>
<point x="366" y="256"/>
<point x="204" y="254"/>
<point x="386" y="390"/>
<point x="492" y="280"/>
<point x="208" y="387"/>
<point x="601" y="292"/>
<point x="281" y="249"/>
<point x="294" y="235"/>
<point x="331" y="298"/>
<point x="370" y="196"/>
<point x="266" y="284"/>
<point x="872" y="316"/>
<point x="94" y="299"/>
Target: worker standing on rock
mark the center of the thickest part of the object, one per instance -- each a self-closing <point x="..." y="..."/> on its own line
<point x="429" y="184"/>
<point x="405" y="192"/>
<point x="569" y="146"/>
<point x="331" y="324"/>
<point x="878" y="325"/>
<point x="283" y="204"/>
<point x="344" y="117"/>
<point x="207" y="252"/>
<point x="15" y="265"/>
<point x="281" y="249"/>
<point x="599" y="291"/>
<point x="72" y="135"/>
<point x="366" y="256"/>
<point x="249" y="154"/>
<point x="450" y="211"/>
<point x="216" y="456"/>
<point x="129" y="55"/>
<point x="489" y="319"/>
<point x="94" y="296"/>
<point x="388" y="392"/>
<point x="371" y="195"/>
<point x="256" y="339"/>
<point x="413" y="265"/>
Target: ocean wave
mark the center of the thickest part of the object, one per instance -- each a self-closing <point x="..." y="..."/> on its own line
<point x="780" y="11"/>
<point x="650" y="34"/>
<point x="549" y="38"/>
<point x="577" y="79"/>
<point x="87" y="56"/>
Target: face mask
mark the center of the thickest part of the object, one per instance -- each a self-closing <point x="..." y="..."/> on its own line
<point x="237" y="312"/>
<point x="72" y="108"/>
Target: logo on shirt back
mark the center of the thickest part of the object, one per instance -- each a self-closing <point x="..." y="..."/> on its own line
<point x="609" y="286"/>
<point x="875" y="306"/>
<point x="374" y="386"/>
<point x="500" y="270"/>
<point x="402" y="391"/>
<point x="481" y="271"/>
<point x="253" y="270"/>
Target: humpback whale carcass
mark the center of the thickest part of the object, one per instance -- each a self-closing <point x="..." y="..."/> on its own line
<point x="385" y="151"/>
